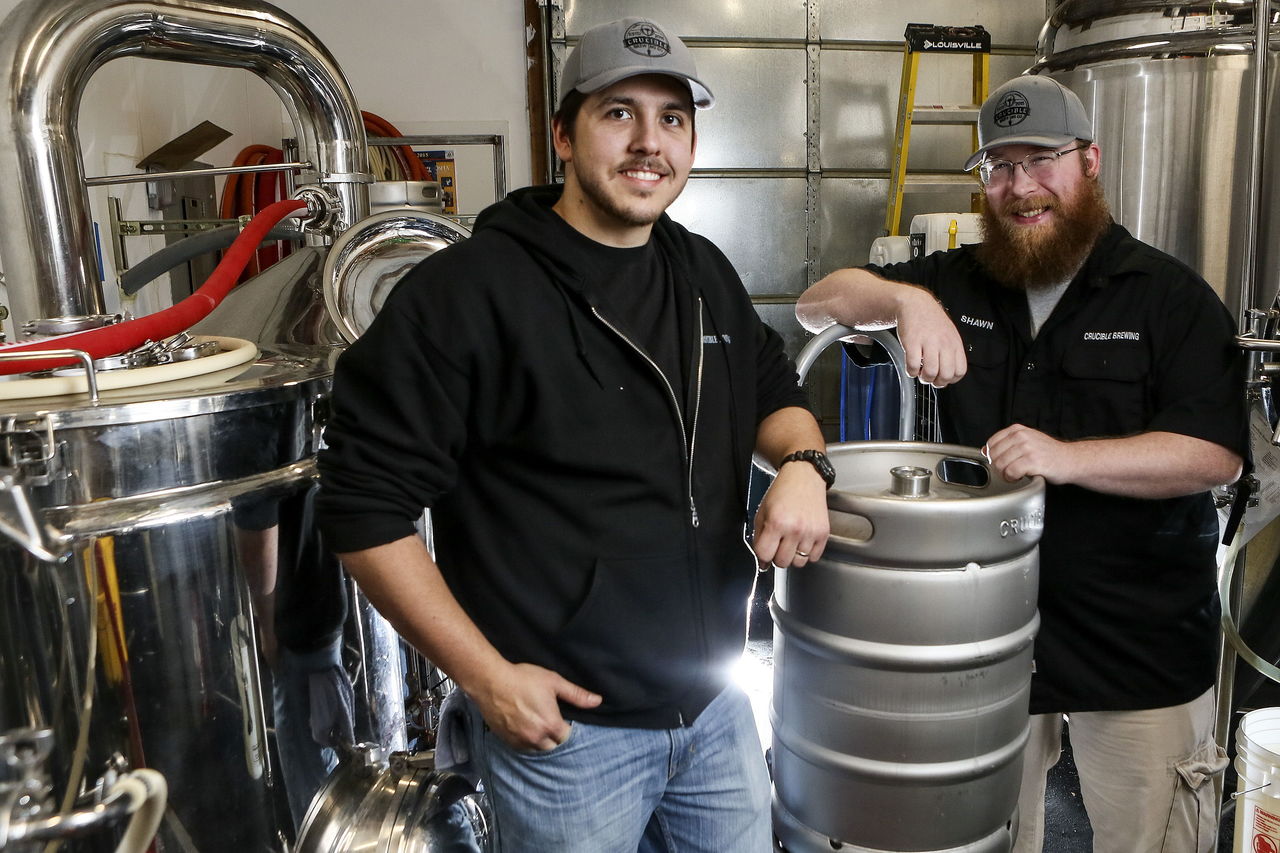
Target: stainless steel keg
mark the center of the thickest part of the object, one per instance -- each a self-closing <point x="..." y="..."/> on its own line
<point x="395" y="804"/>
<point x="902" y="658"/>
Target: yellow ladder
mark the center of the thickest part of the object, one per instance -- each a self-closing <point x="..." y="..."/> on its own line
<point x="921" y="39"/>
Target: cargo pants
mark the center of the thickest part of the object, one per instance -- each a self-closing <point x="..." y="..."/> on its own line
<point x="1150" y="780"/>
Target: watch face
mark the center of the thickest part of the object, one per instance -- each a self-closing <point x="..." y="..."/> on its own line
<point x="824" y="467"/>
<point x="818" y="460"/>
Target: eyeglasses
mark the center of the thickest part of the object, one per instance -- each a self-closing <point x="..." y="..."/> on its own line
<point x="1038" y="166"/>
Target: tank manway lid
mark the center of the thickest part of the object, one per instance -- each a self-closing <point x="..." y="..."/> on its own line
<point x="904" y="501"/>
<point x="282" y="372"/>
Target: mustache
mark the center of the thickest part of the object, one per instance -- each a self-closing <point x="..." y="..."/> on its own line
<point x="1025" y="205"/>
<point x="646" y="165"/>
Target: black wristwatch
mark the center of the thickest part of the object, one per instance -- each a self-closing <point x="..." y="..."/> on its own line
<point x="817" y="459"/>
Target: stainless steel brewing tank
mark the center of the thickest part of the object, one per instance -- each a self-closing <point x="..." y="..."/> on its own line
<point x="902" y="658"/>
<point x="175" y="498"/>
<point x="1169" y="93"/>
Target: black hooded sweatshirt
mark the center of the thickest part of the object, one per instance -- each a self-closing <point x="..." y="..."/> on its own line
<point x="587" y="518"/>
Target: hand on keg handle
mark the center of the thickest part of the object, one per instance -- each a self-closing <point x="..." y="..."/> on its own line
<point x="792" y="524"/>
<point x="1019" y="451"/>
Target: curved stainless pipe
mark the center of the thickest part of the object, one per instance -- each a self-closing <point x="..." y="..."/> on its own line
<point x="48" y="51"/>
<point x="888" y="339"/>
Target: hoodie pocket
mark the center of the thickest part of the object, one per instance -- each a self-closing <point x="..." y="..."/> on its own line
<point x="636" y="636"/>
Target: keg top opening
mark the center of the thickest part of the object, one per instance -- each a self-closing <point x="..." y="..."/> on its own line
<point x="918" y="471"/>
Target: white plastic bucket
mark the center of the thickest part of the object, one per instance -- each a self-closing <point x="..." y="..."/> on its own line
<point x="1258" y="786"/>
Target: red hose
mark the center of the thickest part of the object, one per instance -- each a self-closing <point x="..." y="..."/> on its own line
<point x="122" y="337"/>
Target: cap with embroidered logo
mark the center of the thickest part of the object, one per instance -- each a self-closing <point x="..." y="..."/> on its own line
<point x="1030" y="110"/>
<point x="626" y="48"/>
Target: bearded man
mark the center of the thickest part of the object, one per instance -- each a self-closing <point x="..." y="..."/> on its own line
<point x="1068" y="349"/>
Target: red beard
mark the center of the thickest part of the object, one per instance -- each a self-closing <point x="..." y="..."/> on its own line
<point x="1025" y="258"/>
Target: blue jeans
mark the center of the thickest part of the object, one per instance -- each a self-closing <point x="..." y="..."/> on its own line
<point x="698" y="789"/>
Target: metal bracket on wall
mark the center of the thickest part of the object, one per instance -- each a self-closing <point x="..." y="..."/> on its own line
<point x="149" y="227"/>
<point x="120" y="228"/>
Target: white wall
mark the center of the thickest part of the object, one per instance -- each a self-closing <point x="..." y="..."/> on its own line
<point x="427" y="67"/>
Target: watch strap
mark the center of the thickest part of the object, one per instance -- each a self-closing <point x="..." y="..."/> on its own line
<point x="817" y="459"/>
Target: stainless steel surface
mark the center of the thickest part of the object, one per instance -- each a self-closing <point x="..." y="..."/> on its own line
<point x="910" y="481"/>
<point x="758" y="222"/>
<point x="48" y="51"/>
<point x="902" y="658"/>
<point x="147" y="177"/>
<point x="283" y="304"/>
<point x="46" y="326"/>
<point x="398" y="806"/>
<point x="170" y="507"/>
<point x="382" y="674"/>
<point x="1179" y="184"/>
<point x="424" y="195"/>
<point x="369" y="259"/>
<point x="801" y="839"/>
<point x="781" y="317"/>
<point x="1257" y="147"/>
<point x="761" y="100"/>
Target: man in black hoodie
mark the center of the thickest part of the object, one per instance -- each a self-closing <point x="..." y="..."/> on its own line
<point x="576" y="392"/>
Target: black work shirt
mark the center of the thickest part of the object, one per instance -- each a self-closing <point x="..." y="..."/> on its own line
<point x="1138" y="343"/>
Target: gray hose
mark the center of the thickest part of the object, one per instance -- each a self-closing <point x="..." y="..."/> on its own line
<point x="148" y="270"/>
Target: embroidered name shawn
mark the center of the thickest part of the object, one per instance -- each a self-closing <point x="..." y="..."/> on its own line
<point x="1113" y="336"/>
<point x="981" y="324"/>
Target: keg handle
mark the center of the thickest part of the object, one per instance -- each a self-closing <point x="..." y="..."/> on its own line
<point x="887" y="339"/>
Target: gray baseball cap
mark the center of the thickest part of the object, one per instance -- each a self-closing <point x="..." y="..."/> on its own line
<point x="1030" y="110"/>
<point x="626" y="48"/>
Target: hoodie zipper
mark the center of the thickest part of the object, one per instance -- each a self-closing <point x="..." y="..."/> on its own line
<point x="686" y="442"/>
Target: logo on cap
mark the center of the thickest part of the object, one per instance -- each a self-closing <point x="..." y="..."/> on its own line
<point x="1012" y="109"/>
<point x="645" y="39"/>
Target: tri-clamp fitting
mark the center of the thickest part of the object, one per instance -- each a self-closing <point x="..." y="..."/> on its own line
<point x="324" y="208"/>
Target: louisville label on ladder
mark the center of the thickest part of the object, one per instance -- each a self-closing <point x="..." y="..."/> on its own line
<point x="922" y="39"/>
